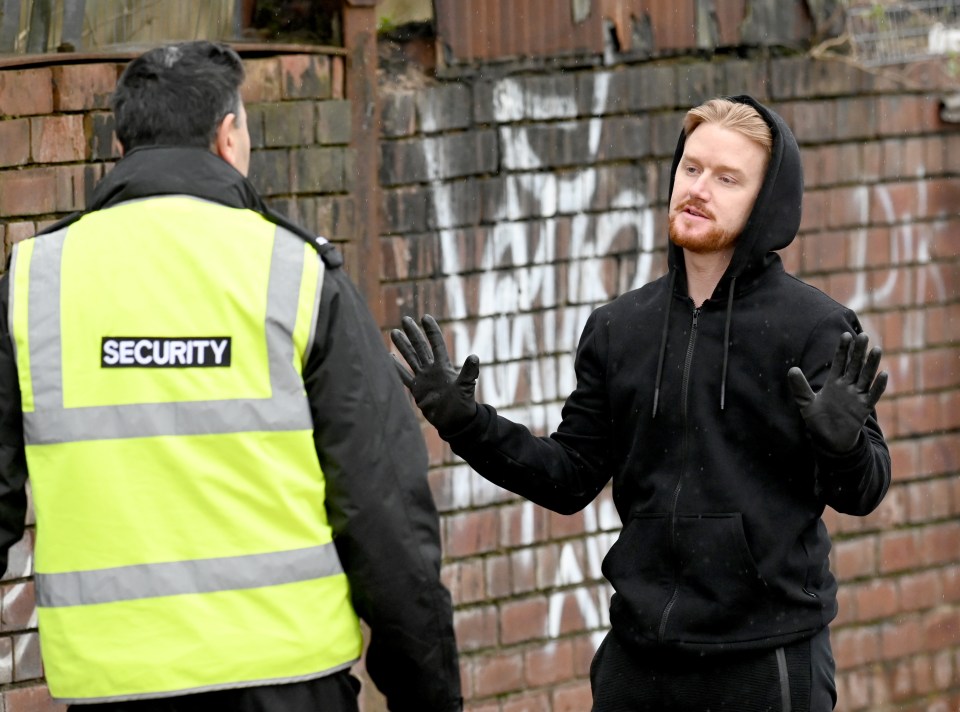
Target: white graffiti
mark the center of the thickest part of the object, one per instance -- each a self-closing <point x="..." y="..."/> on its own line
<point x="526" y="324"/>
<point x="909" y="243"/>
<point x="20" y="567"/>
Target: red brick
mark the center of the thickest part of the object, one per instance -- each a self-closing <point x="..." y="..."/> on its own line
<point x="922" y="673"/>
<point x="917" y="415"/>
<point x="920" y="590"/>
<point x="951" y="410"/>
<point x="14" y="142"/>
<point x="72" y="184"/>
<point x="902" y="638"/>
<point x="527" y="702"/>
<point x="498" y="674"/>
<point x="30" y="191"/>
<point x="844" y="286"/>
<point x="942" y="629"/>
<point x="262" y="83"/>
<point x="81" y="87"/>
<point x="481" y="707"/>
<point x="891" y="512"/>
<point x="562" y="526"/>
<point x="939" y="325"/>
<point x="941" y="544"/>
<point x="523" y="571"/>
<point x="939" y="368"/>
<point x="338" y="88"/>
<point x="855" y="558"/>
<point x="57" y="139"/>
<point x="19" y="604"/>
<point x="17" y="231"/>
<point x="523" y="524"/>
<point x="877" y="599"/>
<point x="899" y="116"/>
<point x="26" y="92"/>
<point x="497" y="572"/>
<point x="26" y="660"/>
<point x="898" y="551"/>
<point x="847" y="606"/>
<point x="472" y="533"/>
<point x="575" y="697"/>
<point x="550" y="664"/>
<point x="476" y="628"/>
<point x="853" y="647"/>
<point x="901" y="682"/>
<point x="305" y="76"/>
<point x="30" y="699"/>
<point x="950" y="583"/>
<point x="465" y="581"/>
<point x="523" y="620"/>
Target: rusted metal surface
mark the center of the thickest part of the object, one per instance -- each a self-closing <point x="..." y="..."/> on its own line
<point x="493" y="30"/>
<point x="360" y="38"/>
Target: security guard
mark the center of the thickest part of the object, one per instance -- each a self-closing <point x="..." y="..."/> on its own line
<point x="223" y="476"/>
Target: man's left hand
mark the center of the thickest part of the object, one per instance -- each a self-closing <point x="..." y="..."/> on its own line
<point x="836" y="414"/>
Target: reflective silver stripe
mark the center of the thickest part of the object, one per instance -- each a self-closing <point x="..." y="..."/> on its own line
<point x="43" y="321"/>
<point x="51" y="423"/>
<point x="127" y="583"/>
<point x="283" y="300"/>
<point x="321" y="271"/>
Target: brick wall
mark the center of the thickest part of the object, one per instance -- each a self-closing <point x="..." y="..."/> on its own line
<point x="516" y="203"/>
<point x="56" y="141"/>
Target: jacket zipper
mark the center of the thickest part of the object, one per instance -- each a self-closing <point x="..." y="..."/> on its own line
<point x="688" y="361"/>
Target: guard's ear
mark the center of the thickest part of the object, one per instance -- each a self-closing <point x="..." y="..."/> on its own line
<point x="226" y="140"/>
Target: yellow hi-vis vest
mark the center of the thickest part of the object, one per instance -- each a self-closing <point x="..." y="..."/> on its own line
<point x="182" y="541"/>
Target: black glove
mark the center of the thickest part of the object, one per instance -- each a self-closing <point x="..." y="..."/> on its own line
<point x="836" y="414"/>
<point x="445" y="397"/>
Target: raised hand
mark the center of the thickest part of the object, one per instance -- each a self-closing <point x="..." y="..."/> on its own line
<point x="836" y="414"/>
<point x="445" y="396"/>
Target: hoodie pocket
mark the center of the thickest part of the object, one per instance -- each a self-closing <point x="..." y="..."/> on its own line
<point x="721" y="589"/>
<point x="640" y="568"/>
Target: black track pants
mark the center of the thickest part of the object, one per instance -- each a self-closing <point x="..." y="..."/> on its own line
<point x="335" y="693"/>
<point x="795" y="678"/>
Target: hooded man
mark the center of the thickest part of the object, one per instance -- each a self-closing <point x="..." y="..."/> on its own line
<point x="226" y="475"/>
<point x="730" y="403"/>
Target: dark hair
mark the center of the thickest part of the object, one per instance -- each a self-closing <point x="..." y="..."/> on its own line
<point x="177" y="95"/>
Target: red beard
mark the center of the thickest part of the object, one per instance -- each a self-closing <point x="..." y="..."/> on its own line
<point x="714" y="240"/>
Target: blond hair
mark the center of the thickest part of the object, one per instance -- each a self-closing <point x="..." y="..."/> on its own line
<point x="732" y="115"/>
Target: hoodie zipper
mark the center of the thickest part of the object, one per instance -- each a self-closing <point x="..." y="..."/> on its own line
<point x="685" y="383"/>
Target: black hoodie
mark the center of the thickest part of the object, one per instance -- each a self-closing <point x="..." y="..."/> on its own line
<point x="718" y="485"/>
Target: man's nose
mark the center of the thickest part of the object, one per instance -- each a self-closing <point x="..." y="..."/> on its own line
<point x="698" y="189"/>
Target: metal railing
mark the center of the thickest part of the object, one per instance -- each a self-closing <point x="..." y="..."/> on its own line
<point x="901" y="31"/>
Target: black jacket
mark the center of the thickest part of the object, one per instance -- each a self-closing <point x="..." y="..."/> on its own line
<point x="385" y="524"/>
<point x="717" y="483"/>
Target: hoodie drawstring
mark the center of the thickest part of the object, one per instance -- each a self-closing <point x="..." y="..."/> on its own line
<point x="663" y="342"/>
<point x="726" y="343"/>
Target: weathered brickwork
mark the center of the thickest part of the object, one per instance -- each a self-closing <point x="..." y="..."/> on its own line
<point x="512" y="205"/>
<point x="512" y="221"/>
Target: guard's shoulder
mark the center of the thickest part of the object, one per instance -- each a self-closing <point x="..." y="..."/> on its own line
<point x="331" y="256"/>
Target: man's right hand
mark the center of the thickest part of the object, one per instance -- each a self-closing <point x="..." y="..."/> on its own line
<point x="445" y="397"/>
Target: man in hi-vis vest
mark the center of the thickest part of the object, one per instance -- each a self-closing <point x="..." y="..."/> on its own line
<point x="226" y="473"/>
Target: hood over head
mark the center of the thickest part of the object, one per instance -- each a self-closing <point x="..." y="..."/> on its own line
<point x="772" y="225"/>
<point x="775" y="218"/>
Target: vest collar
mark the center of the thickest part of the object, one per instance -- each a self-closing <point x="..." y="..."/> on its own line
<point x="175" y="170"/>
